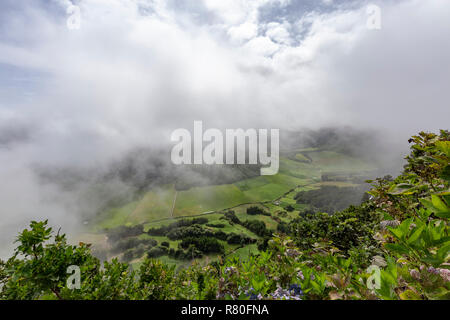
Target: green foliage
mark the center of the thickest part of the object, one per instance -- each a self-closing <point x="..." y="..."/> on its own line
<point x="130" y="243"/>
<point x="155" y="279"/>
<point x="346" y="230"/>
<point x="195" y="231"/>
<point x="157" y="252"/>
<point x="419" y="240"/>
<point x="203" y="244"/>
<point x="231" y="217"/>
<point x="241" y="239"/>
<point x="164" y="230"/>
<point x="257" y="227"/>
<point x="256" y="210"/>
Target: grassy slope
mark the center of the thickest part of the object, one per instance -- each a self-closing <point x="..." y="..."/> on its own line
<point x="157" y="204"/>
<point x="114" y="217"/>
<point x="203" y="199"/>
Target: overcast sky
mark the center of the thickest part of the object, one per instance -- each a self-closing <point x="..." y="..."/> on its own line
<point x="136" y="70"/>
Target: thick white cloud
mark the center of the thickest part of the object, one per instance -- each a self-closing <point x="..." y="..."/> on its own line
<point x="243" y="32"/>
<point x="278" y="32"/>
<point x="262" y="46"/>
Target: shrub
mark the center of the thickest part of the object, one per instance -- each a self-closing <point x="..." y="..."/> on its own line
<point x="256" y="210"/>
<point x="203" y="244"/>
<point x="331" y="198"/>
<point x="157" y="252"/>
<point x="231" y="217"/>
<point x="346" y="229"/>
<point x="283" y="227"/>
<point x="257" y="227"/>
<point x="290" y="208"/>
<point x="234" y="238"/>
<point x="129" y="243"/>
<point x="195" y="231"/>
<point x="164" y="230"/>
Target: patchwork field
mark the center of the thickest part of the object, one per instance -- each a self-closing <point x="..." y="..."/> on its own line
<point x="166" y="203"/>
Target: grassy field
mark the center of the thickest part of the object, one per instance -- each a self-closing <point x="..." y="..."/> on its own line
<point x="164" y="205"/>
<point x="211" y="198"/>
<point x="114" y="217"/>
<point x="158" y="203"/>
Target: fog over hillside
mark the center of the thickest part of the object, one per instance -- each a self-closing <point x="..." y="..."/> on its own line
<point x="80" y="106"/>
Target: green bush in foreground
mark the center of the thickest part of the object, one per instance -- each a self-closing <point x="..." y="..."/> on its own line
<point x="394" y="246"/>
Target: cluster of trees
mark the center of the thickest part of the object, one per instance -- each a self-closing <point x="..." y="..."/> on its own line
<point x="196" y="240"/>
<point x="230" y="215"/>
<point x="204" y="244"/>
<point x="195" y="231"/>
<point x="133" y="242"/>
<point x="124" y="239"/>
<point x="240" y="239"/>
<point x="282" y="214"/>
<point x="254" y="210"/>
<point x="156" y="252"/>
<point x="256" y="226"/>
<point x="331" y="198"/>
<point x="133" y="253"/>
<point x="289" y="208"/>
<point x="283" y="227"/>
<point x="190" y="253"/>
<point x="164" y="230"/>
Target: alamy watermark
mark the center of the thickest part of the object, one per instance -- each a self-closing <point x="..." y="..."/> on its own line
<point x="234" y="147"/>
<point x="374" y="280"/>
<point x="74" y="19"/>
<point x="374" y="17"/>
<point x="373" y="21"/>
<point x="74" y="280"/>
